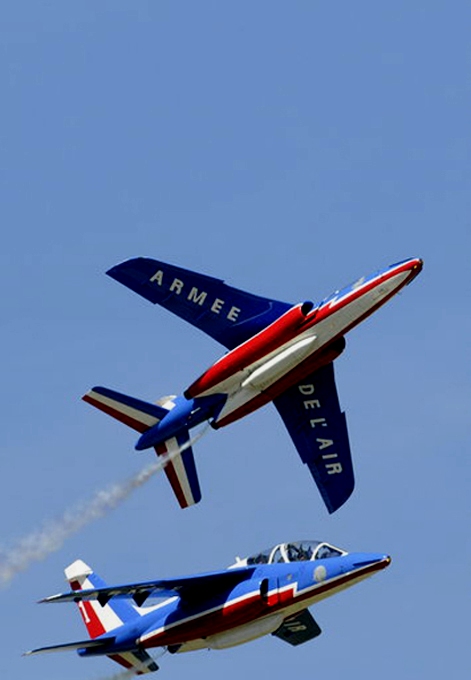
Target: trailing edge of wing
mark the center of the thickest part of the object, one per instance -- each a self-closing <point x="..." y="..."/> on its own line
<point x="188" y="588"/>
<point x="227" y="314"/>
<point x="311" y="412"/>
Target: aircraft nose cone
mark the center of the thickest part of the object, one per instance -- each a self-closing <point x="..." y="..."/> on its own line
<point x="364" y="560"/>
<point x="415" y="268"/>
<point x="385" y="561"/>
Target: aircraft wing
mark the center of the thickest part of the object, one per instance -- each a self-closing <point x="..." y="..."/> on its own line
<point x="188" y="588"/>
<point x="227" y="314"/>
<point x="298" y="628"/>
<point x="311" y="412"/>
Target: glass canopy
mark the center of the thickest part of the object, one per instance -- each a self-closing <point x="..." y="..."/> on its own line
<point x="296" y="551"/>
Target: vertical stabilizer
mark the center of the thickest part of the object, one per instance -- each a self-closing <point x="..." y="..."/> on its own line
<point x="100" y="616"/>
<point x="142" y="416"/>
<point x="97" y="618"/>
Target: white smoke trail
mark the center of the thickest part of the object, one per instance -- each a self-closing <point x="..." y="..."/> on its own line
<point x="37" y="545"/>
<point x="123" y="675"/>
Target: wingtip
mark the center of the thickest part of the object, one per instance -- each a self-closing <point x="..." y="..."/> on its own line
<point x="88" y="396"/>
<point x="116" y="267"/>
<point x="50" y="598"/>
<point x="97" y="389"/>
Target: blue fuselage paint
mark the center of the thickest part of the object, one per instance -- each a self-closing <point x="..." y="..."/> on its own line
<point x="186" y="413"/>
<point x="271" y="588"/>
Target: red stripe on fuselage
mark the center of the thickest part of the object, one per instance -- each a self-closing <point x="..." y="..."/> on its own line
<point x="224" y="618"/>
<point x="288" y="326"/>
<point x="325" y="354"/>
<point x="276" y="334"/>
<point x="243" y="611"/>
<point x="313" y="363"/>
<point x="413" y="266"/>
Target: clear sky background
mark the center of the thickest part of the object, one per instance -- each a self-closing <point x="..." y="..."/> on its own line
<point x="288" y="147"/>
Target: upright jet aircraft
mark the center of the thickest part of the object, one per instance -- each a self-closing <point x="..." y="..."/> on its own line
<point x="266" y="593"/>
<point x="278" y="352"/>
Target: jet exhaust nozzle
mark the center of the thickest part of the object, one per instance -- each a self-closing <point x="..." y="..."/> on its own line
<point x="175" y="420"/>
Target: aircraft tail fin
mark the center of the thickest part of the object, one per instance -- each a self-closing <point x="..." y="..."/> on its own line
<point x="98" y="617"/>
<point x="138" y="660"/>
<point x="181" y="468"/>
<point x="135" y="413"/>
<point x="101" y="617"/>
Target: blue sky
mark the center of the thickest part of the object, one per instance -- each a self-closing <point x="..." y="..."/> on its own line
<point x="288" y="148"/>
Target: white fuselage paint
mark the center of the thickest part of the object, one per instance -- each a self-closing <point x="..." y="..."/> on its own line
<point x="248" y="383"/>
<point x="246" y="633"/>
<point x="174" y="451"/>
<point x="258" y="628"/>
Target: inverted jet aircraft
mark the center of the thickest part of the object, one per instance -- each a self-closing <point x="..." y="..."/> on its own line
<point x="266" y="593"/>
<point x="277" y="352"/>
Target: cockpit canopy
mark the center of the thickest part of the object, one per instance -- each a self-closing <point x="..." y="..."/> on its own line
<point x="296" y="551"/>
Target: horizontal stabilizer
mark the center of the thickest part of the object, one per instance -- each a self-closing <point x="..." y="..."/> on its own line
<point x="138" y="660"/>
<point x="227" y="314"/>
<point x="138" y="414"/>
<point x="189" y="588"/>
<point x="98" y="645"/>
<point x="99" y="617"/>
<point x="298" y="629"/>
<point x="311" y="412"/>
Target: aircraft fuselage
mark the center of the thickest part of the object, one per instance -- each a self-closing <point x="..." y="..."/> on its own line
<point x="302" y="340"/>
<point x="257" y="606"/>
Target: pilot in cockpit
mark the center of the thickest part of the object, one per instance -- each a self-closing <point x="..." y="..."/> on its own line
<point x="296" y="551"/>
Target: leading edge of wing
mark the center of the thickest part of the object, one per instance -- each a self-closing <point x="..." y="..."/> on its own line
<point x="103" y="643"/>
<point x="188" y="588"/>
<point x="227" y="314"/>
<point x="311" y="413"/>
